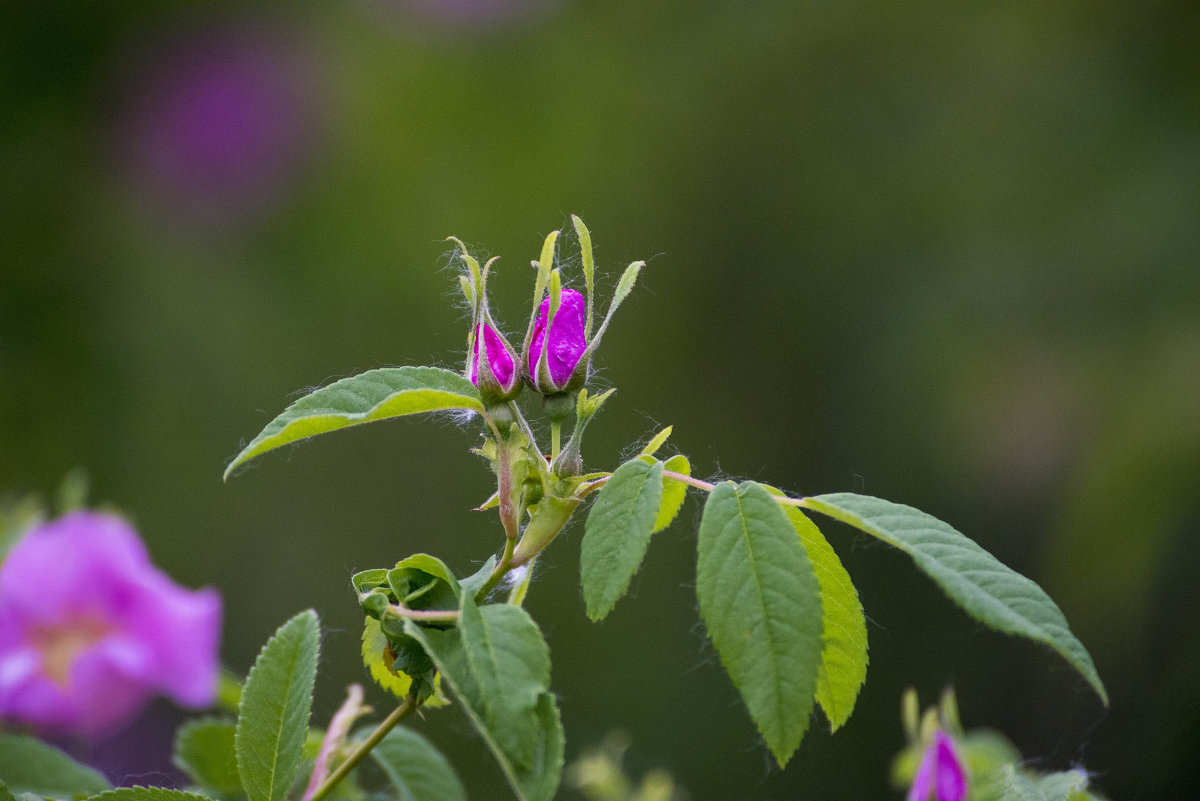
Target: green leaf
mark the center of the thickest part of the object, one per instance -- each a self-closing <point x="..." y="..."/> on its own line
<point x="147" y="794"/>
<point x="510" y="663"/>
<point x="674" y="491"/>
<point x="536" y="781"/>
<point x="416" y="769"/>
<point x="617" y="533"/>
<point x="974" y="579"/>
<point x="761" y="602"/>
<point x="30" y="766"/>
<point x="373" y="395"/>
<point x="844" y="629"/>
<point x="205" y="751"/>
<point x="273" y="717"/>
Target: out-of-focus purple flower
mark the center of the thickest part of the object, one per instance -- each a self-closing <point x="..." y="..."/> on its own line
<point x="565" y="367"/>
<point x="941" y="776"/>
<point x="218" y="118"/>
<point x="90" y="630"/>
<point x="499" y="379"/>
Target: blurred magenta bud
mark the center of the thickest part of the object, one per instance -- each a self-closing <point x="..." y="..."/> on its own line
<point x="496" y="373"/>
<point x="941" y="776"/>
<point x="90" y="630"/>
<point x="219" y="118"/>
<point x="565" y="363"/>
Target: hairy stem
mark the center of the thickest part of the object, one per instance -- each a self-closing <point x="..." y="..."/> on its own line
<point x="400" y="713"/>
<point x="694" y="482"/>
<point x="555" y="440"/>
<point x="400" y="610"/>
<point x="499" y="572"/>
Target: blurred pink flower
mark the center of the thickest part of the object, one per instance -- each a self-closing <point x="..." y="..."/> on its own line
<point x="90" y="630"/>
<point x="219" y="118"/>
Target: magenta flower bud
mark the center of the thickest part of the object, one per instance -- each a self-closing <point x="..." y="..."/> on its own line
<point x="496" y="375"/>
<point x="941" y="776"/>
<point x="90" y="630"/>
<point x="565" y="347"/>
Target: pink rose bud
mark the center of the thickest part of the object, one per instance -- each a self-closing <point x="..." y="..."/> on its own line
<point x="565" y="366"/>
<point x="941" y="776"/>
<point x="496" y="374"/>
<point x="90" y="630"/>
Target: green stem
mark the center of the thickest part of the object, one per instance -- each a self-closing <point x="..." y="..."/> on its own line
<point x="499" y="572"/>
<point x="555" y="440"/>
<point x="400" y="713"/>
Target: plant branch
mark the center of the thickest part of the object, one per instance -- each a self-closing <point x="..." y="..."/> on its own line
<point x="405" y="709"/>
<point x="339" y="727"/>
<point x="498" y="572"/>
<point x="694" y="482"/>
<point x="400" y="610"/>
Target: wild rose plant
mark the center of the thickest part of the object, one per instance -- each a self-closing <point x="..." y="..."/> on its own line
<point x="777" y="603"/>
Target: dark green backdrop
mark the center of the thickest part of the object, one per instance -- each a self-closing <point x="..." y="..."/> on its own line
<point x="946" y="255"/>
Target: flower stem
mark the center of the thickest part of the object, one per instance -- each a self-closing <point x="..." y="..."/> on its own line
<point x="400" y="713"/>
<point x="498" y="573"/>
<point x="555" y="440"/>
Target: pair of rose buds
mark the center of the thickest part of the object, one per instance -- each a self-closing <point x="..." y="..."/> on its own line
<point x="556" y="353"/>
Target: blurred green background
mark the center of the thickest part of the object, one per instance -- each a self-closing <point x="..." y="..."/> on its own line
<point x="944" y="254"/>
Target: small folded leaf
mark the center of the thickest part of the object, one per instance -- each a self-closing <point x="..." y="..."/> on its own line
<point x="273" y="719"/>
<point x="985" y="588"/>
<point x="617" y="533"/>
<point x="416" y="768"/>
<point x="761" y="602"/>
<point x="538" y="778"/>
<point x="374" y="645"/>
<point x="656" y="442"/>
<point x="204" y="750"/>
<point x="28" y="765"/>
<point x="674" y="491"/>
<point x="844" y="630"/>
<point x="1062" y="786"/>
<point x="374" y="395"/>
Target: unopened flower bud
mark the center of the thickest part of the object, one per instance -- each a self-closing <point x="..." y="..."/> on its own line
<point x="941" y="776"/>
<point x="557" y="360"/>
<point x="494" y="367"/>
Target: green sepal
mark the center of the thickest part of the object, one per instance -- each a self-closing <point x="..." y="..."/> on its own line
<point x="548" y="519"/>
<point x="589" y="267"/>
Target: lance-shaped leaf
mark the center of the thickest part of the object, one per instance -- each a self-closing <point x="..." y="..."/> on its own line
<point x="28" y="765"/>
<point x="617" y="533"/>
<point x="761" y="602"/>
<point x="844" y="630"/>
<point x="373" y="395"/>
<point x="273" y="718"/>
<point x="537" y="780"/>
<point x="416" y="769"/>
<point x="974" y="579"/>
